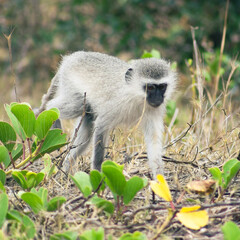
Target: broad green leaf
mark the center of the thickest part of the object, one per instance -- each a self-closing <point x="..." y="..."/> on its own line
<point x="133" y="236"/>
<point x="4" y="156"/>
<point x="155" y="53"/>
<point x="27" y="224"/>
<point x="16" y="124"/>
<point x="96" y="178"/>
<point x="26" y="117"/>
<point x="69" y="235"/>
<point x="3" y="208"/>
<point x="42" y="193"/>
<point x="113" y="164"/>
<point x="2" y="176"/>
<point x="82" y="181"/>
<point x="93" y="234"/>
<point x="114" y="179"/>
<point x="18" y="176"/>
<point x="54" y="140"/>
<point x="103" y="204"/>
<point x="216" y="174"/>
<point x="34" y="201"/>
<point x="192" y="217"/>
<point x="55" y="110"/>
<point x="230" y="169"/>
<point x="7" y="135"/>
<point x="161" y="188"/>
<point x="231" y="231"/>
<point x="2" y="189"/>
<point x="133" y="185"/>
<point x="55" y="203"/>
<point x="33" y="179"/>
<point x="44" y="122"/>
<point x="17" y="151"/>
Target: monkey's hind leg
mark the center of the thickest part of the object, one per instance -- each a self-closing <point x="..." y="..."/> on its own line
<point x="83" y="138"/>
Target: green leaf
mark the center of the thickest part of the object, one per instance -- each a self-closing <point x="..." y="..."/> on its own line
<point x="55" y="203"/>
<point x="133" y="185"/>
<point x="103" y="204"/>
<point x="17" y="151"/>
<point x="44" y="122"/>
<point x="230" y="169"/>
<point x="55" y="139"/>
<point x="153" y="54"/>
<point x="7" y="135"/>
<point x="49" y="167"/>
<point x="114" y="178"/>
<point x="231" y="231"/>
<point x="3" y="208"/>
<point x="2" y="176"/>
<point x="82" y="181"/>
<point x="113" y="164"/>
<point x="25" y="116"/>
<point x="27" y="224"/>
<point x="34" y="201"/>
<point x="16" y="124"/>
<point x="133" y="236"/>
<point x="18" y="176"/>
<point x="93" y="234"/>
<point x="216" y="174"/>
<point x="2" y="189"/>
<point x="42" y="193"/>
<point x="69" y="235"/>
<point x="4" y="156"/>
<point x="33" y="179"/>
<point x="96" y="178"/>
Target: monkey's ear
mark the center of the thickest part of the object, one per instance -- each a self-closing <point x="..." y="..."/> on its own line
<point x="128" y="74"/>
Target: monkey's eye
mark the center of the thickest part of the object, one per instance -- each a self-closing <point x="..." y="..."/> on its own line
<point x="163" y="87"/>
<point x="151" y="87"/>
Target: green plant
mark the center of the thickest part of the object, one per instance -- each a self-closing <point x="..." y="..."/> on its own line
<point x="16" y="220"/>
<point x="133" y="236"/>
<point x="231" y="231"/>
<point x="123" y="190"/>
<point x="224" y="177"/>
<point x="93" y="234"/>
<point x="27" y="179"/>
<point x="26" y="127"/>
<point x="37" y="200"/>
<point x="68" y="235"/>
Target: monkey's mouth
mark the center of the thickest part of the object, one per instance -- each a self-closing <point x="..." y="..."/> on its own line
<point x="155" y="104"/>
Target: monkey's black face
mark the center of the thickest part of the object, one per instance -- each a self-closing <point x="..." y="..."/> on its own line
<point x="155" y="93"/>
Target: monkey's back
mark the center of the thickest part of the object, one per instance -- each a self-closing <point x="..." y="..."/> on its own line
<point x="100" y="76"/>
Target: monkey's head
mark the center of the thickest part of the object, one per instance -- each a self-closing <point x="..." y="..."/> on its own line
<point x="157" y="80"/>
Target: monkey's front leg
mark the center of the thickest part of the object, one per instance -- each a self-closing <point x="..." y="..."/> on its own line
<point x="153" y="132"/>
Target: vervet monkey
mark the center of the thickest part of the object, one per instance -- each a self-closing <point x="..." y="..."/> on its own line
<point x="117" y="93"/>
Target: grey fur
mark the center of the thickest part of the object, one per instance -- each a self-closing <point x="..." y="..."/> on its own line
<point x="114" y="96"/>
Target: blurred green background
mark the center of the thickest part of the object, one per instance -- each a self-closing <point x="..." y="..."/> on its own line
<point x="44" y="30"/>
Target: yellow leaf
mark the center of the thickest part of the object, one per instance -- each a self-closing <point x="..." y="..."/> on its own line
<point x="161" y="188"/>
<point x="191" y="218"/>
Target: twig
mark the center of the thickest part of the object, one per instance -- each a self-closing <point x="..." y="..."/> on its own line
<point x="221" y="51"/>
<point x="11" y="61"/>
<point x="168" y="159"/>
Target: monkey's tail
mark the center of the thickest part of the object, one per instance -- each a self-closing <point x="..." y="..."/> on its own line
<point x="49" y="95"/>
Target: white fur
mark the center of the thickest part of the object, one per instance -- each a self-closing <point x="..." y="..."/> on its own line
<point x="113" y="100"/>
